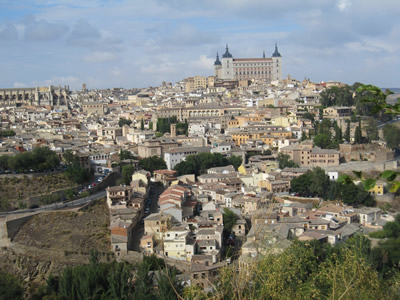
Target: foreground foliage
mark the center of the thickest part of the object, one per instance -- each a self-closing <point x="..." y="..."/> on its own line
<point x="307" y="271"/>
<point x="10" y="287"/>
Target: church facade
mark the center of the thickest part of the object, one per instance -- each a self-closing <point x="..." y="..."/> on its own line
<point x="265" y="68"/>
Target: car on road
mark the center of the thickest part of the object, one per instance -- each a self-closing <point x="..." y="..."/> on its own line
<point x="147" y="210"/>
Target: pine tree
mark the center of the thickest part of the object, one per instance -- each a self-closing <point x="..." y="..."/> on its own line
<point x="142" y="125"/>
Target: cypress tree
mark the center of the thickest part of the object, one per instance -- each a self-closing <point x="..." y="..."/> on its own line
<point x="347" y="133"/>
<point x="357" y="135"/>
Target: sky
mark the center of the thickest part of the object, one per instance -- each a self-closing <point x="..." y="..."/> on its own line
<point x="141" y="43"/>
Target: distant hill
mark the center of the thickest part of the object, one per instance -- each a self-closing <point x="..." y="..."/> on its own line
<point x="394" y="90"/>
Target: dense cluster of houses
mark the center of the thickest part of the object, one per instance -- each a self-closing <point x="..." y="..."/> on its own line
<point x="253" y="120"/>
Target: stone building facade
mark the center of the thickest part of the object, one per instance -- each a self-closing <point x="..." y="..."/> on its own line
<point x="34" y="96"/>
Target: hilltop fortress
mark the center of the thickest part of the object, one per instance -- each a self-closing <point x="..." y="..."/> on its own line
<point x="268" y="68"/>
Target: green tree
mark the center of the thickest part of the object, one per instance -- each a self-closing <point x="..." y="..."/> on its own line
<point x="267" y="152"/>
<point x="10" y="287"/>
<point x="127" y="172"/>
<point x="229" y="219"/>
<point x="123" y="122"/>
<point x="319" y="182"/>
<point x="7" y="133"/>
<point x="142" y="124"/>
<point x="338" y="133"/>
<point x="235" y="161"/>
<point x="126" y="154"/>
<point x="372" y="130"/>
<point x="164" y="124"/>
<point x="152" y="163"/>
<point x="182" y="128"/>
<point x="322" y="140"/>
<point x="301" y="185"/>
<point x="337" y="96"/>
<point x="391" y="134"/>
<point x="347" y="133"/>
<point x="75" y="171"/>
<point x="357" y="135"/>
<point x="309" y="116"/>
<point x="285" y="161"/>
<point x="199" y="163"/>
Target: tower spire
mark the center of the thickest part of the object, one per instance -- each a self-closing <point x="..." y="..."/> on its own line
<point x="227" y="54"/>
<point x="276" y="53"/>
<point x="217" y="61"/>
<point x="263" y="53"/>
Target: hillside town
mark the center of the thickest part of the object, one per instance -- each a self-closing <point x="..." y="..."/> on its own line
<point x="234" y="156"/>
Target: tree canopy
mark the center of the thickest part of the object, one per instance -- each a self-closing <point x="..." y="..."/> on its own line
<point x="199" y="163"/>
<point x="7" y="133"/>
<point x="324" y="137"/>
<point x="123" y="122"/>
<point x="39" y="159"/>
<point x="229" y="219"/>
<point x="10" y="287"/>
<point x="126" y="174"/>
<point x="74" y="170"/>
<point x="316" y="183"/>
<point x="337" y="96"/>
<point x="308" y="270"/>
<point x="391" y="134"/>
<point x="152" y="163"/>
<point x="285" y="161"/>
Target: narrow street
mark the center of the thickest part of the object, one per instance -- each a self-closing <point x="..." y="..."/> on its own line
<point x="138" y="231"/>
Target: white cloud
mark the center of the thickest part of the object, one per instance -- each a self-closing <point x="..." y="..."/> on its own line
<point x="343" y="4"/>
<point x="116" y="72"/>
<point x="203" y="63"/>
<point x="99" y="57"/>
<point x="19" y="85"/>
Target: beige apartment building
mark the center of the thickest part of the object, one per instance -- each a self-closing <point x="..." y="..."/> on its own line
<point x="308" y="156"/>
<point x="195" y="83"/>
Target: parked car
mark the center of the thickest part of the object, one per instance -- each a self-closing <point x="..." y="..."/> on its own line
<point x="147" y="210"/>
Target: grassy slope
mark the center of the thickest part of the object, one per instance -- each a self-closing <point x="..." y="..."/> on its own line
<point x="68" y="230"/>
<point x="18" y="189"/>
